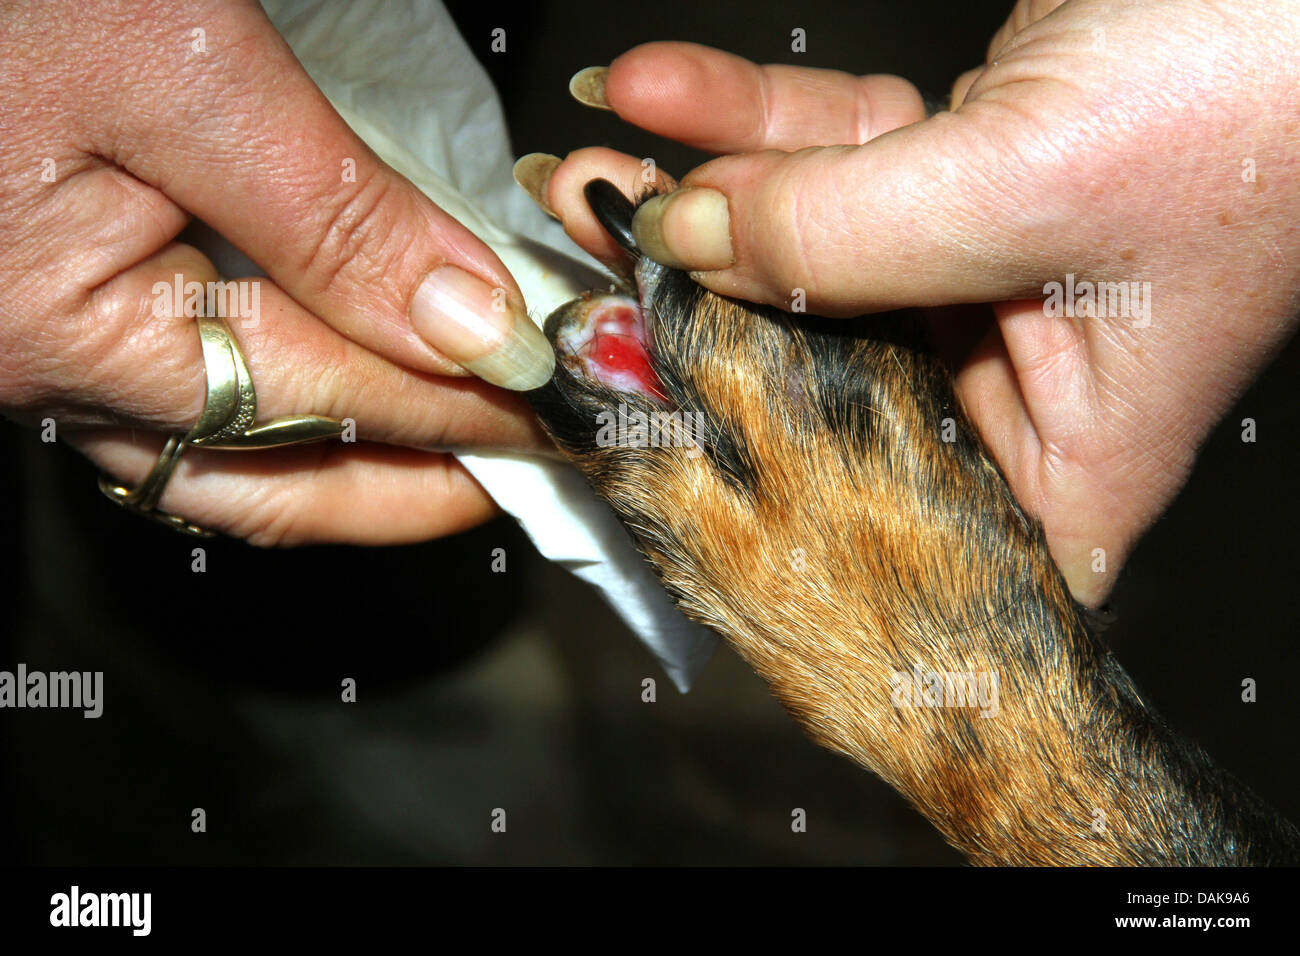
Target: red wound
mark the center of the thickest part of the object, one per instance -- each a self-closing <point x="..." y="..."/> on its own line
<point x="616" y="354"/>
<point x="624" y="355"/>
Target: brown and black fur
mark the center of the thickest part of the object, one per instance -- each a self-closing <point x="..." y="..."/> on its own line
<point x="832" y="536"/>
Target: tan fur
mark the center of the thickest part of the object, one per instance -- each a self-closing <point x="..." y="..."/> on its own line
<point x="848" y="552"/>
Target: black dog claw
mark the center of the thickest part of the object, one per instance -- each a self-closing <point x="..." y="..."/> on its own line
<point x="613" y="211"/>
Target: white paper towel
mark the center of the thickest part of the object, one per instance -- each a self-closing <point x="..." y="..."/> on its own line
<point x="402" y="77"/>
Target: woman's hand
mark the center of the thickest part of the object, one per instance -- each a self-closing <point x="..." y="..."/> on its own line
<point x="121" y="120"/>
<point x="1150" y="144"/>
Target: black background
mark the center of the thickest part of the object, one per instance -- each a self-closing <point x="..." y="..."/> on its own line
<point x="521" y="690"/>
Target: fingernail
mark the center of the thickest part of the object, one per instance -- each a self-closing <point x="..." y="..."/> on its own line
<point x="475" y="325"/>
<point x="533" y="172"/>
<point x="588" y="87"/>
<point x="686" y="229"/>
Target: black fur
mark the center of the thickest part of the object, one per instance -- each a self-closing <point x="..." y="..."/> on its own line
<point x="1199" y="815"/>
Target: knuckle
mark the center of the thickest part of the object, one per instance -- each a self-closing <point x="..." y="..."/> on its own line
<point x="288" y="514"/>
<point x="355" y="236"/>
<point x="269" y="519"/>
<point x="276" y="532"/>
<point x="48" y="366"/>
<point x="143" y="366"/>
<point x="787" y="263"/>
<point x="332" y="391"/>
<point x="111" y="362"/>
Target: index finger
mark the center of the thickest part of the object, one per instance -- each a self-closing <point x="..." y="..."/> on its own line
<point x="242" y="138"/>
<point x="725" y="104"/>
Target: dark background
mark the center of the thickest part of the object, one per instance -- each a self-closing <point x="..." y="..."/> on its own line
<point x="521" y="690"/>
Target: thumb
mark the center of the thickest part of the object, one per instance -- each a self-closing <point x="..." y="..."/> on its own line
<point x="939" y="212"/>
<point x="244" y="140"/>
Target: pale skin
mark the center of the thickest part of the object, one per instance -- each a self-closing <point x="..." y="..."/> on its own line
<point x="1117" y="154"/>
<point x="144" y="133"/>
<point x="1152" y="141"/>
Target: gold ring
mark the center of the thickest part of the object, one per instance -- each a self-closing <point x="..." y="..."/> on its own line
<point x="226" y="422"/>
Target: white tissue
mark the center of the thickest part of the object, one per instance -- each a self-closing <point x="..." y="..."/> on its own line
<point x="404" y="80"/>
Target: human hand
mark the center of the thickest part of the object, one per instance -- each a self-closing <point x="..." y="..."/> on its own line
<point x="124" y="119"/>
<point x="1136" y="143"/>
